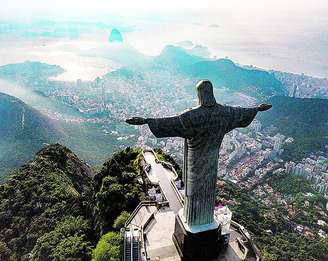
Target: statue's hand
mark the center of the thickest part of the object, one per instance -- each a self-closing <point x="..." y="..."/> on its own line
<point x="136" y="121"/>
<point x="264" y="107"/>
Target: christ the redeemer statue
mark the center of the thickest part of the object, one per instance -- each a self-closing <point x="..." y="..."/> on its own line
<point x="203" y="129"/>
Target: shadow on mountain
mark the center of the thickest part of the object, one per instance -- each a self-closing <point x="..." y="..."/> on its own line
<point x="23" y="132"/>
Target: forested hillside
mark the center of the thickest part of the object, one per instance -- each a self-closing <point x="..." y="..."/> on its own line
<point x="52" y="187"/>
<point x="52" y="208"/>
<point x="306" y="120"/>
<point x="23" y="131"/>
<point x="225" y="73"/>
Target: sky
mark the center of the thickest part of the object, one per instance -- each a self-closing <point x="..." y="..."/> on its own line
<point x="289" y="35"/>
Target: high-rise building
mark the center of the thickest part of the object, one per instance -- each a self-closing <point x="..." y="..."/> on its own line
<point x="23" y="118"/>
<point x="256" y="125"/>
<point x="295" y="89"/>
<point x="99" y="83"/>
<point x="277" y="142"/>
<point x="103" y="95"/>
<point x="290" y="167"/>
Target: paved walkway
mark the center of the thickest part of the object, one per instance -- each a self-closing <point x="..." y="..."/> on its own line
<point x="159" y="237"/>
<point x="164" y="177"/>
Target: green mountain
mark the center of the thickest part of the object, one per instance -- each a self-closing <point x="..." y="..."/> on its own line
<point x="224" y="73"/>
<point x="306" y="120"/>
<point x="121" y="182"/>
<point x="174" y="58"/>
<point x="55" y="208"/>
<point x="115" y="36"/>
<point x="23" y="132"/>
<point x="47" y="189"/>
<point x="29" y="73"/>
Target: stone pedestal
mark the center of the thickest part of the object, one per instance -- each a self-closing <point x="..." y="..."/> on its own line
<point x="197" y="245"/>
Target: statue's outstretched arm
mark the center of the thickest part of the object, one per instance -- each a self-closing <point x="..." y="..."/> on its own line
<point x="137" y="121"/>
<point x="242" y="117"/>
<point x="264" y="107"/>
<point x="164" y="127"/>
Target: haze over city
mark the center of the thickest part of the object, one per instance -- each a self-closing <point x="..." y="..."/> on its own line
<point x="269" y="34"/>
<point x="171" y="130"/>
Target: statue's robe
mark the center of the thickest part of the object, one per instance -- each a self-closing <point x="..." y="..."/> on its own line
<point x="203" y="129"/>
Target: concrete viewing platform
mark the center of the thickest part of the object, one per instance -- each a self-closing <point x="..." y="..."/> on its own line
<point x="149" y="230"/>
<point x="155" y="226"/>
<point x="165" y="179"/>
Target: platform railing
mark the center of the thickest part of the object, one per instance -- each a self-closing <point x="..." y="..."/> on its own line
<point x="165" y="164"/>
<point x="136" y="210"/>
<point x="246" y="234"/>
<point x="169" y="166"/>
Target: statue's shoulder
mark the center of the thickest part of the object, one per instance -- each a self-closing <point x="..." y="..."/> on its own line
<point x="223" y="109"/>
<point x="190" y="110"/>
<point x="226" y="107"/>
<point x="189" y="113"/>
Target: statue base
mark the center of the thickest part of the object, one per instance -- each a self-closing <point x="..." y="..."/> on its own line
<point x="195" y="246"/>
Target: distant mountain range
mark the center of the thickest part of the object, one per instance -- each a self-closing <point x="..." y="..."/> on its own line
<point x="30" y="73"/>
<point x="225" y="73"/>
<point x="23" y="131"/>
<point x="222" y="72"/>
<point x="181" y="62"/>
<point x="306" y="120"/>
<point x="175" y="58"/>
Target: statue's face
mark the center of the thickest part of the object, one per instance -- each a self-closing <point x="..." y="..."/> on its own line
<point x="205" y="93"/>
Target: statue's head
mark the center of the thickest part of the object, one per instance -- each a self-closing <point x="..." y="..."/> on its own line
<point x="205" y="93"/>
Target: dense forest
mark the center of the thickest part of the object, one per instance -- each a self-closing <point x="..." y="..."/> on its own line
<point x="55" y="208"/>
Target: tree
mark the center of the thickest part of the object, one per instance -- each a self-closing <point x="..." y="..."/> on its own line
<point x="109" y="248"/>
<point x="121" y="219"/>
<point x="110" y="199"/>
<point x="5" y="252"/>
<point x="68" y="241"/>
<point x="119" y="186"/>
<point x="72" y="248"/>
